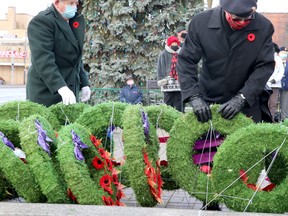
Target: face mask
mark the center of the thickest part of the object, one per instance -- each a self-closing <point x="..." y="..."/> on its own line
<point x="174" y="48"/>
<point x="183" y="35"/>
<point x="283" y="56"/>
<point x="69" y="12"/>
<point x="237" y="25"/>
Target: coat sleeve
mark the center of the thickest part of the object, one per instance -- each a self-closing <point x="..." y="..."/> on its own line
<point x="41" y="41"/>
<point x="139" y="99"/>
<point x="261" y="72"/>
<point x="161" y="74"/>
<point x="188" y="58"/>
<point x="83" y="77"/>
<point x="122" y="98"/>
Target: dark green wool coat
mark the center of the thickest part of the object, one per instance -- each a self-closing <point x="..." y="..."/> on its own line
<point x="56" y="56"/>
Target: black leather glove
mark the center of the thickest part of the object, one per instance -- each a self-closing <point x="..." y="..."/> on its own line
<point x="201" y="109"/>
<point x="273" y="81"/>
<point x="229" y="109"/>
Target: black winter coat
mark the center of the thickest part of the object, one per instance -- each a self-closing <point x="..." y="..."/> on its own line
<point x="241" y="63"/>
<point x="56" y="56"/>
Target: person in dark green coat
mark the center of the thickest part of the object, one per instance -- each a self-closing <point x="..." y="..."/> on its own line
<point x="56" y="37"/>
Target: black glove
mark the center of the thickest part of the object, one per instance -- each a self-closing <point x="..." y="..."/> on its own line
<point x="273" y="81"/>
<point x="201" y="109"/>
<point x="229" y="109"/>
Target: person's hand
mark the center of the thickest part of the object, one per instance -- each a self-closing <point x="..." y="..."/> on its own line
<point x="86" y="93"/>
<point x="201" y="109"/>
<point x="229" y="109"/>
<point x="273" y="81"/>
<point x="67" y="95"/>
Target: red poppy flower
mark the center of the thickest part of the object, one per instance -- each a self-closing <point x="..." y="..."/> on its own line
<point x="95" y="141"/>
<point x="164" y="163"/>
<point x="120" y="195"/>
<point x="103" y="153"/>
<point x="70" y="194"/>
<point x="115" y="179"/>
<point x="109" y="164"/>
<point x="107" y="200"/>
<point x="105" y="180"/>
<point x="76" y="24"/>
<point x="97" y="163"/>
<point x="56" y="135"/>
<point x="251" y="37"/>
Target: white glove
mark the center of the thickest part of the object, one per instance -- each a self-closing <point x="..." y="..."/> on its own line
<point x="86" y="93"/>
<point x="67" y="95"/>
<point x="162" y="82"/>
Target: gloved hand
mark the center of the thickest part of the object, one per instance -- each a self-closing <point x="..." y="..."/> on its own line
<point x="67" y="95"/>
<point x="162" y="82"/>
<point x="86" y="93"/>
<point x="273" y="81"/>
<point x="201" y="109"/>
<point x="229" y="109"/>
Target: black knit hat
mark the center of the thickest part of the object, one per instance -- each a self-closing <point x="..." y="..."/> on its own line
<point x="241" y="8"/>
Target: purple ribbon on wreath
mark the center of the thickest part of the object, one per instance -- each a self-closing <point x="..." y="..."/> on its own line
<point x="78" y="146"/>
<point x="42" y="137"/>
<point x="110" y="131"/>
<point x="6" y="141"/>
<point x="145" y="122"/>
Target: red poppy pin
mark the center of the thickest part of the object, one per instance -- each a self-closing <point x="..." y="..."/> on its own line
<point x="76" y="24"/>
<point x="251" y="37"/>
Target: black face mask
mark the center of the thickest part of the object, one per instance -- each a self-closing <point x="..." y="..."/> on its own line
<point x="175" y="48"/>
<point x="183" y="35"/>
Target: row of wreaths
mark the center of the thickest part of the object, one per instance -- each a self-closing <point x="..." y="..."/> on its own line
<point x="65" y="156"/>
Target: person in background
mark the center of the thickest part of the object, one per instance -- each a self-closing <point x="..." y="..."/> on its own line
<point x="167" y="76"/>
<point x="274" y="83"/>
<point x="130" y="93"/>
<point x="284" y="91"/>
<point x="56" y="38"/>
<point x="181" y="34"/>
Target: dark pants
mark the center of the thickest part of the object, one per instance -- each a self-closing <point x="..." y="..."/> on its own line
<point x="174" y="99"/>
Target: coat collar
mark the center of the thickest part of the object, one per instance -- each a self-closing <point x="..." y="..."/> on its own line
<point x="75" y="34"/>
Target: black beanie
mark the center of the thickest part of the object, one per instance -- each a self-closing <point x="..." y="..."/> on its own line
<point x="241" y="8"/>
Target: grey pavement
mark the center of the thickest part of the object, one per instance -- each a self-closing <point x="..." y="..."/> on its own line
<point x="11" y="93"/>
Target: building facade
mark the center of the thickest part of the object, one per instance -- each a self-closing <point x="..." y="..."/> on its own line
<point x="14" y="47"/>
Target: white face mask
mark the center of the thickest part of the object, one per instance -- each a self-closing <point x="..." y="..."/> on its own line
<point x="283" y="56"/>
<point x="69" y="12"/>
<point x="130" y="82"/>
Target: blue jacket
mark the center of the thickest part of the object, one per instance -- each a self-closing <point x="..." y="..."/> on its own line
<point x="132" y="95"/>
<point x="285" y="78"/>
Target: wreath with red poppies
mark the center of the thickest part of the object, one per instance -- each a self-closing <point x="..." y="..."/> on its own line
<point x="142" y="162"/>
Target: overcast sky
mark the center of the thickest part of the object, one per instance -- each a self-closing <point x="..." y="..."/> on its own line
<point x="34" y="6"/>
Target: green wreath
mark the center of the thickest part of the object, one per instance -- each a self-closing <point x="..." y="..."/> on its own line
<point x="98" y="119"/>
<point x="41" y="157"/>
<point x="240" y="151"/>
<point x="136" y="143"/>
<point x="185" y="132"/>
<point x="19" y="175"/>
<point x="68" y="114"/>
<point x="163" y="116"/>
<point x="11" y="130"/>
<point x="18" y="110"/>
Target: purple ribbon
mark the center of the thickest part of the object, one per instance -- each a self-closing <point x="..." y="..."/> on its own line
<point x="6" y="141"/>
<point x="79" y="145"/>
<point x="145" y="122"/>
<point x="42" y="137"/>
<point x="110" y="131"/>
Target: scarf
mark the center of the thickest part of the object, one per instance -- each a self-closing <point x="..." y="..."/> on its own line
<point x="173" y="73"/>
<point x="236" y="25"/>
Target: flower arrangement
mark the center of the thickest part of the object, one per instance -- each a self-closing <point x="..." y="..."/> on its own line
<point x="39" y="143"/>
<point x="68" y="114"/>
<point x="141" y="150"/>
<point x="240" y="151"/>
<point x="19" y="175"/>
<point x="185" y="132"/>
<point x="18" y="110"/>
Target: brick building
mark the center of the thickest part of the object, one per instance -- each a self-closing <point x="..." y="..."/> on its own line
<point x="14" y="49"/>
<point x="280" y="22"/>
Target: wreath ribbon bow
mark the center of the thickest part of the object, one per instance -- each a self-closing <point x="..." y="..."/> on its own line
<point x="6" y="141"/>
<point x="79" y="145"/>
<point x="42" y="137"/>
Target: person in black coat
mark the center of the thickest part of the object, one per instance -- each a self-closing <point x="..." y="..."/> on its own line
<point x="56" y="38"/>
<point x="235" y="45"/>
<point x="131" y="93"/>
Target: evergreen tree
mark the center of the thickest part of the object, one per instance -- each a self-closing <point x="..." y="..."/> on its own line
<point x="125" y="37"/>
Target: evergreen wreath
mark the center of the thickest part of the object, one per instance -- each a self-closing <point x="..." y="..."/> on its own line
<point x="141" y="150"/>
<point x="185" y="132"/>
<point x="11" y="130"/>
<point x="18" y="110"/>
<point x="39" y="145"/>
<point x="88" y="171"/>
<point x="163" y="116"/>
<point x="240" y="151"/>
<point x="19" y="175"/>
<point x="68" y="114"/>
